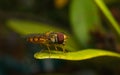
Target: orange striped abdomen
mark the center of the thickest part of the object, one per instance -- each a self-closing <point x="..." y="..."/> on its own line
<point x="37" y="40"/>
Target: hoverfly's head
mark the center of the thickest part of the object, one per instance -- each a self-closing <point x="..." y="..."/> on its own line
<point x="57" y="37"/>
<point x="61" y="37"/>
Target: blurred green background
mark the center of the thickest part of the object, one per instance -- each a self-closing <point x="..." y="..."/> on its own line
<point x="82" y="20"/>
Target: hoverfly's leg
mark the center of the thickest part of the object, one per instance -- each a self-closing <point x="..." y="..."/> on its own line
<point x="63" y="48"/>
<point x="56" y="47"/>
<point x="41" y="50"/>
<point x="40" y="45"/>
<point x="48" y="49"/>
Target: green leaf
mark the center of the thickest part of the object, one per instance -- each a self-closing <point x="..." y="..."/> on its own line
<point x="84" y="17"/>
<point x="26" y="27"/>
<point x="77" y="55"/>
<point x="108" y="15"/>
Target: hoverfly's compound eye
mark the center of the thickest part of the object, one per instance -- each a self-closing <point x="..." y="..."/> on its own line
<point x="60" y="37"/>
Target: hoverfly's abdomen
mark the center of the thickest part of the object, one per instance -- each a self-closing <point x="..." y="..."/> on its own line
<point x="33" y="39"/>
<point x="38" y="39"/>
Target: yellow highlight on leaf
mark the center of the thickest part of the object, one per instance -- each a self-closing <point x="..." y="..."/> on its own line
<point x="76" y="55"/>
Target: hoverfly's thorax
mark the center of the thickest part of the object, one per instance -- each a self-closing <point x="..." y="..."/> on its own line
<point x="53" y="38"/>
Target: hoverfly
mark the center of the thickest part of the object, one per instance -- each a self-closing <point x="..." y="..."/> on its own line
<point x="55" y="39"/>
